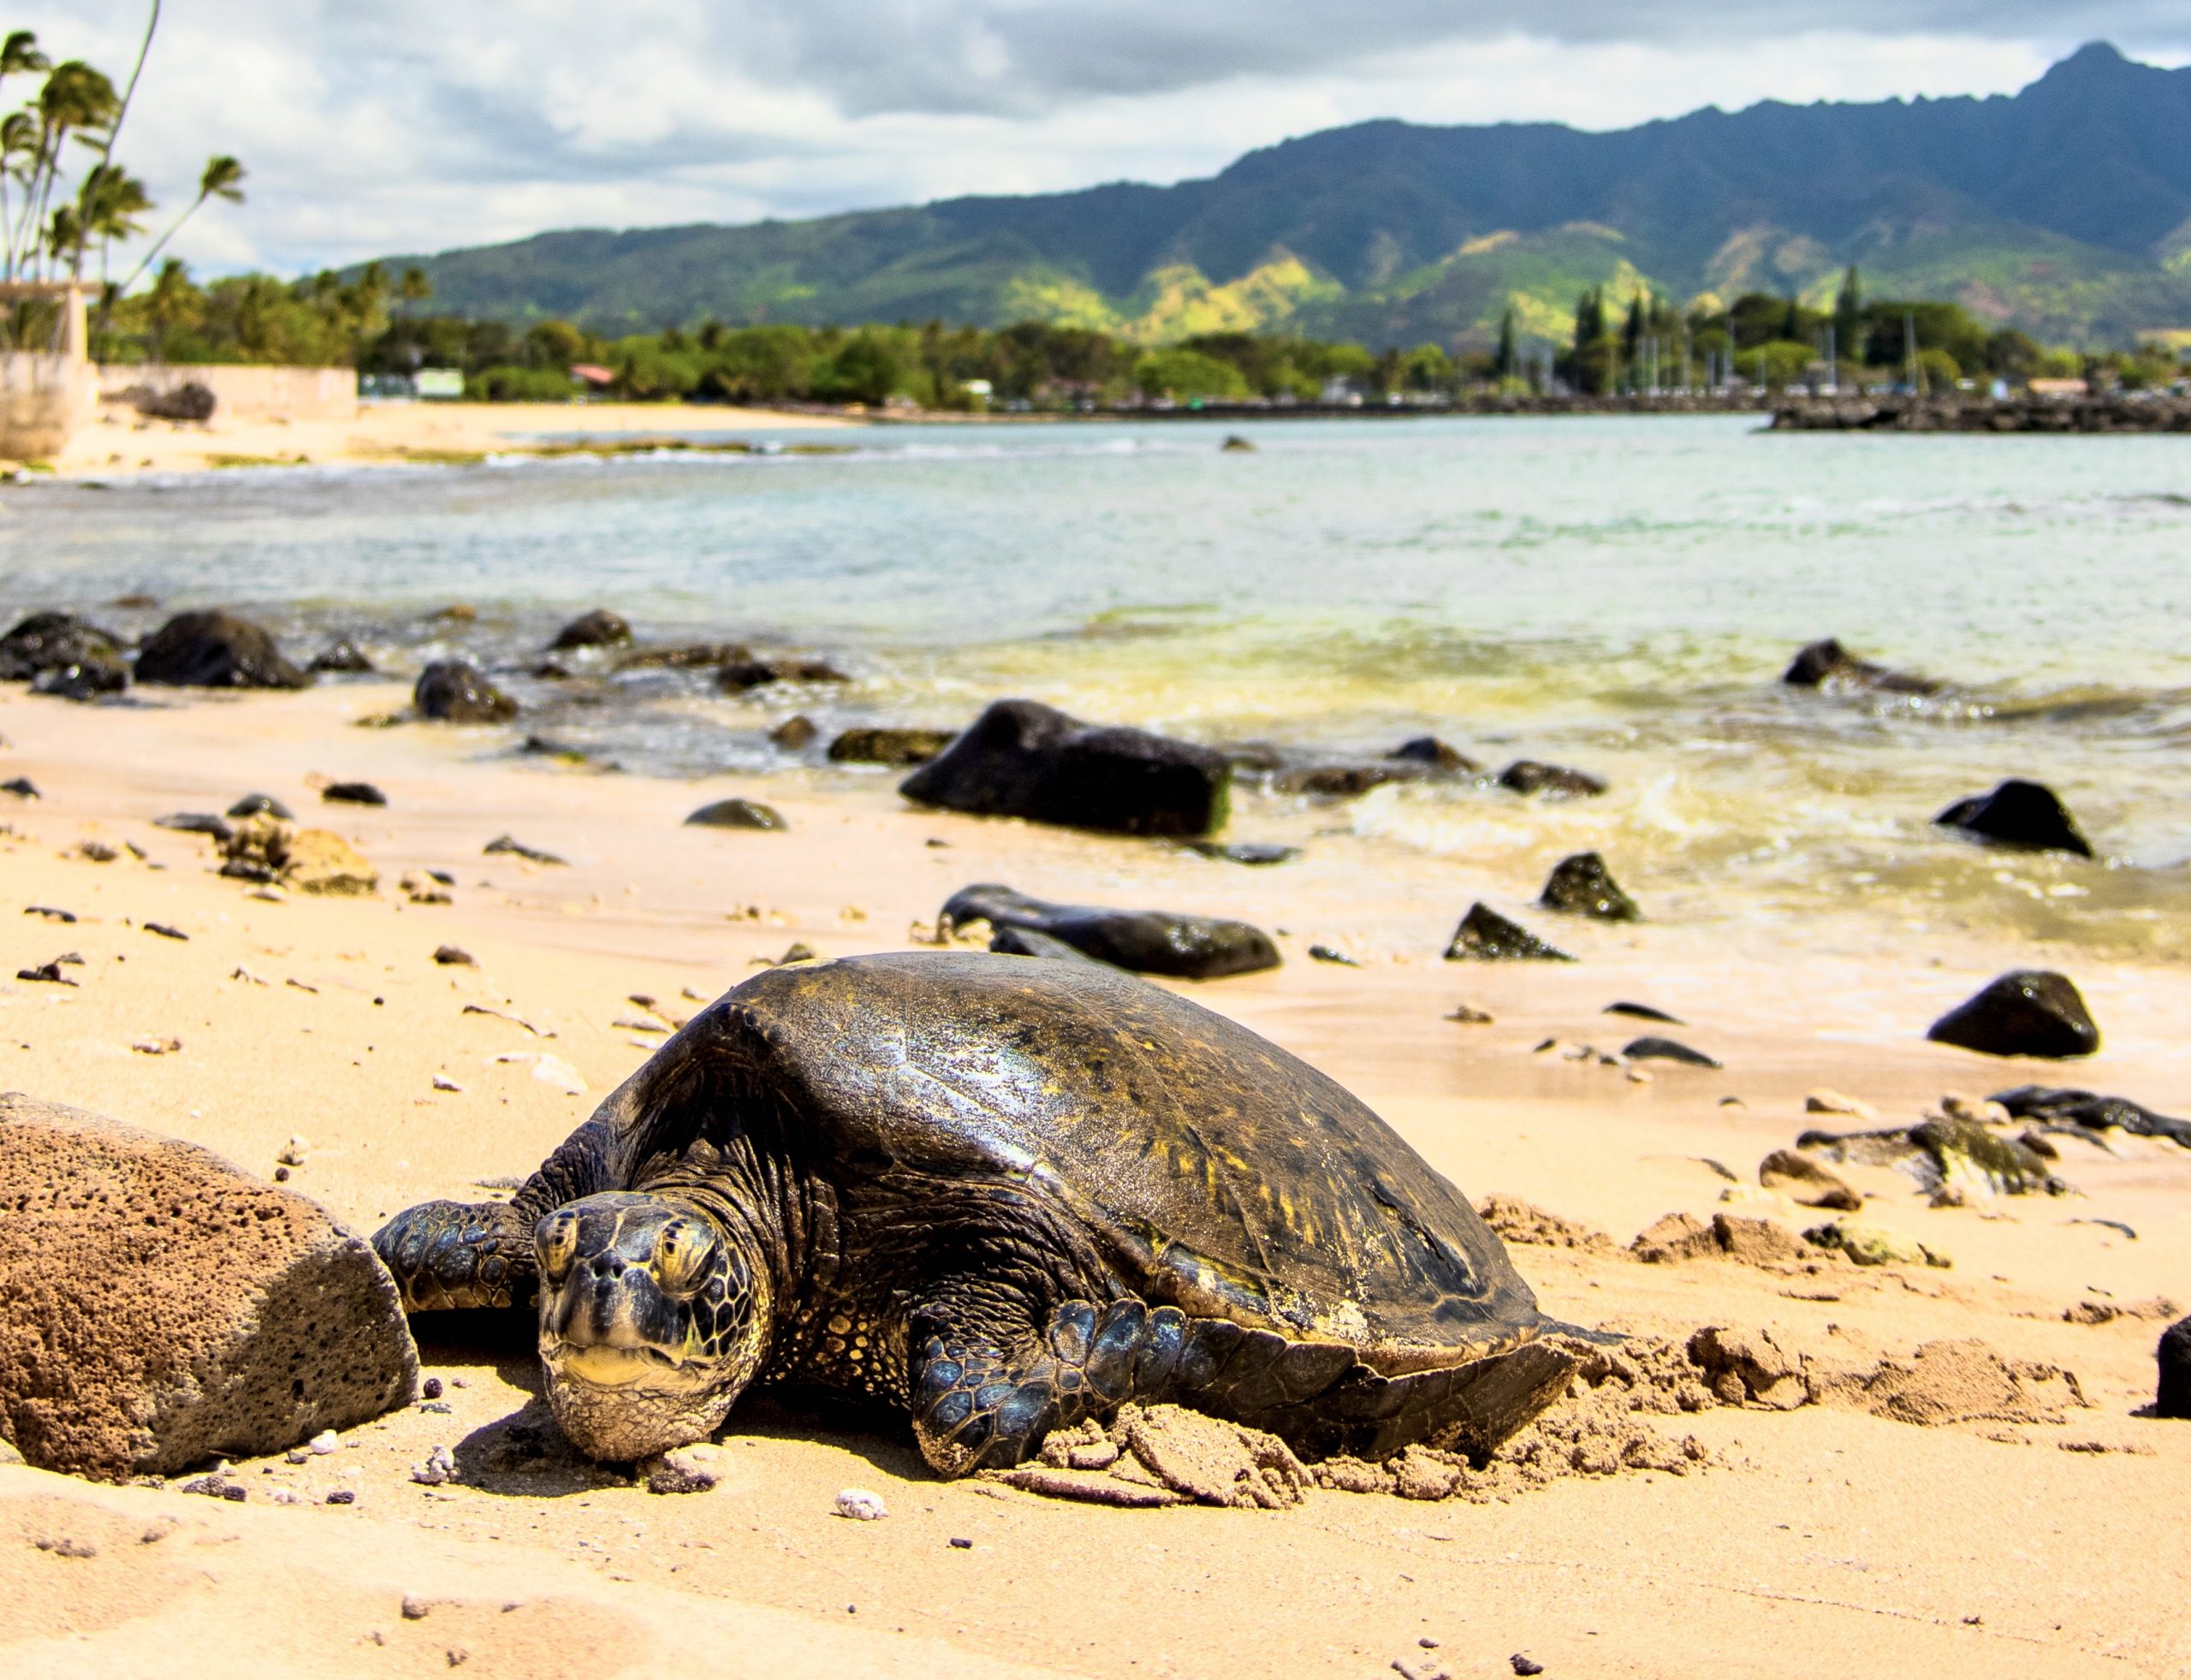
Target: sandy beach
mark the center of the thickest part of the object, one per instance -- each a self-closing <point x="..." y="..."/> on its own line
<point x="123" y="443"/>
<point x="1804" y="1537"/>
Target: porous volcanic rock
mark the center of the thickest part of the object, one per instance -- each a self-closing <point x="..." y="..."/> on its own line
<point x="599" y="628"/>
<point x="1486" y="936"/>
<point x="2029" y="1012"/>
<point x="1021" y="758"/>
<point x="2028" y="814"/>
<point x="903" y="747"/>
<point x="216" y="650"/>
<point x="1583" y="885"/>
<point x="452" y="691"/>
<point x="159" y="1306"/>
<point x="1147" y="942"/>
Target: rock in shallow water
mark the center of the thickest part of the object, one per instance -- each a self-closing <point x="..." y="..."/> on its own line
<point x="158" y="1307"/>
<point x="1829" y="665"/>
<point x="2028" y="814"/>
<point x="1486" y="936"/>
<point x="903" y="747"/>
<point x="1583" y="885"/>
<point x="1526" y="776"/>
<point x="1021" y="758"/>
<point x="599" y="628"/>
<point x="2029" y="1012"/>
<point x="216" y="651"/>
<point x="1146" y="942"/>
<point x="53" y="641"/>
<point x="452" y="691"/>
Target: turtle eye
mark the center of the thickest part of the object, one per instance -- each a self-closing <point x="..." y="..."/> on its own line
<point x="557" y="1240"/>
<point x="681" y="1254"/>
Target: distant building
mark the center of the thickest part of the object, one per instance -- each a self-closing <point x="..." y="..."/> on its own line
<point x="593" y="374"/>
<point x="439" y="384"/>
<point x="2060" y="388"/>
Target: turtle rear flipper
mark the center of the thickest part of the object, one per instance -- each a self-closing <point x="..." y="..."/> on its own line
<point x="1468" y="1408"/>
<point x="448" y="1255"/>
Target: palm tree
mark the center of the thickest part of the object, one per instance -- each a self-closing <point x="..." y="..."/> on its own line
<point x="18" y="55"/>
<point x="169" y="302"/>
<point x="222" y="179"/>
<point x="106" y="151"/>
<point x="108" y="204"/>
<point x="77" y="100"/>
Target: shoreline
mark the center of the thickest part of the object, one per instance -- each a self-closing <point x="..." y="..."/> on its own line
<point x="1797" y="1536"/>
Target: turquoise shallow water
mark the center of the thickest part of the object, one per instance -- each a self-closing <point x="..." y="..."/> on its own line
<point x="1616" y="594"/>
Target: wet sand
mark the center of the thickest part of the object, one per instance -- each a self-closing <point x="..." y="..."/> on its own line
<point x="122" y="443"/>
<point x="1815" y="1535"/>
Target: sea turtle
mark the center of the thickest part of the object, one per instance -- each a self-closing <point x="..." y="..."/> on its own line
<point x="1007" y="1194"/>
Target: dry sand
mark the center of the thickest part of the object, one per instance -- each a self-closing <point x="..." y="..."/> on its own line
<point x="1819" y="1539"/>
<point x="121" y="442"/>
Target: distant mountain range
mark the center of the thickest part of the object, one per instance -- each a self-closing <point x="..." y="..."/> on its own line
<point x="2064" y="209"/>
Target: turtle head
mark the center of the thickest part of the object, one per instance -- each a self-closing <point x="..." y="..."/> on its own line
<point x="654" y="1316"/>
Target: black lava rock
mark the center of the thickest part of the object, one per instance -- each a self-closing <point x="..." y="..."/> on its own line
<point x="1666" y="1050"/>
<point x="452" y="691"/>
<point x="216" y="651"/>
<point x="1583" y="885"/>
<point x="1147" y="942"/>
<point x="262" y="805"/>
<point x="1486" y="936"/>
<point x="1829" y="665"/>
<point x="1256" y="854"/>
<point x="1021" y="758"/>
<point x="1429" y="751"/>
<point x="2088" y="1108"/>
<point x="599" y="628"/>
<point x="21" y="787"/>
<point x="196" y="823"/>
<point x="353" y="794"/>
<point x="2173" y="1399"/>
<point x="86" y="681"/>
<point x="1026" y="942"/>
<point x="737" y="814"/>
<point x="2030" y="1012"/>
<point x="345" y="658"/>
<point x="902" y="747"/>
<point x="53" y="641"/>
<point x="1526" y="776"/>
<point x="796" y="731"/>
<point x="2025" y="814"/>
<point x="508" y="845"/>
<point x="1643" y="1011"/>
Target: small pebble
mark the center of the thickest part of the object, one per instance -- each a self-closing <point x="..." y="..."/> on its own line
<point x="958" y="1544"/>
<point x="342" y="1496"/>
<point x="281" y="1175"/>
<point x="861" y="1505"/>
<point x="293" y="1153"/>
<point x="283" y="1496"/>
<point x="455" y="955"/>
<point x="443" y="1082"/>
<point x="432" y="1388"/>
<point x="325" y="1442"/>
<point x="415" y="1609"/>
<point x="1522" y="1664"/>
<point x="439" y="1468"/>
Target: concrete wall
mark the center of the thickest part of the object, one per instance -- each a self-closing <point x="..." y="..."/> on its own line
<point x="44" y="400"/>
<point x="245" y="392"/>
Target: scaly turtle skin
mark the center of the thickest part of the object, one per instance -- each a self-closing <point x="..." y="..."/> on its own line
<point x="1004" y="1193"/>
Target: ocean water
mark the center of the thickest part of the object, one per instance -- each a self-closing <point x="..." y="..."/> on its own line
<point x="1619" y="595"/>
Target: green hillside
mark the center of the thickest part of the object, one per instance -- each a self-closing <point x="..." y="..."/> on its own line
<point x="2064" y="210"/>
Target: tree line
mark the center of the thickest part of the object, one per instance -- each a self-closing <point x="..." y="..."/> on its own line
<point x="383" y="326"/>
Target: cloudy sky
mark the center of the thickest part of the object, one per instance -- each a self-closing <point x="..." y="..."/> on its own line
<point x="372" y="126"/>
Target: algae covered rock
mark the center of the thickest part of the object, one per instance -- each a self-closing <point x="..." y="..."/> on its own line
<point x="1869" y="1244"/>
<point x="1486" y="936"/>
<point x="159" y="1306"/>
<point x="1969" y="1155"/>
<point x="453" y="691"/>
<point x="1583" y="885"/>
<point x="599" y="628"/>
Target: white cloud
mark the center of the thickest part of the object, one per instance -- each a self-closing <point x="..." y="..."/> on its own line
<point x="397" y="125"/>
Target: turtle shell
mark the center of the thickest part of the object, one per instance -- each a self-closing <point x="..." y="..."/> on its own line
<point x="1218" y="1172"/>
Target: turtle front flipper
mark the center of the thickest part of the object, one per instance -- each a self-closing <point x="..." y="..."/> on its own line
<point x="451" y="1255"/>
<point x="985" y="1394"/>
